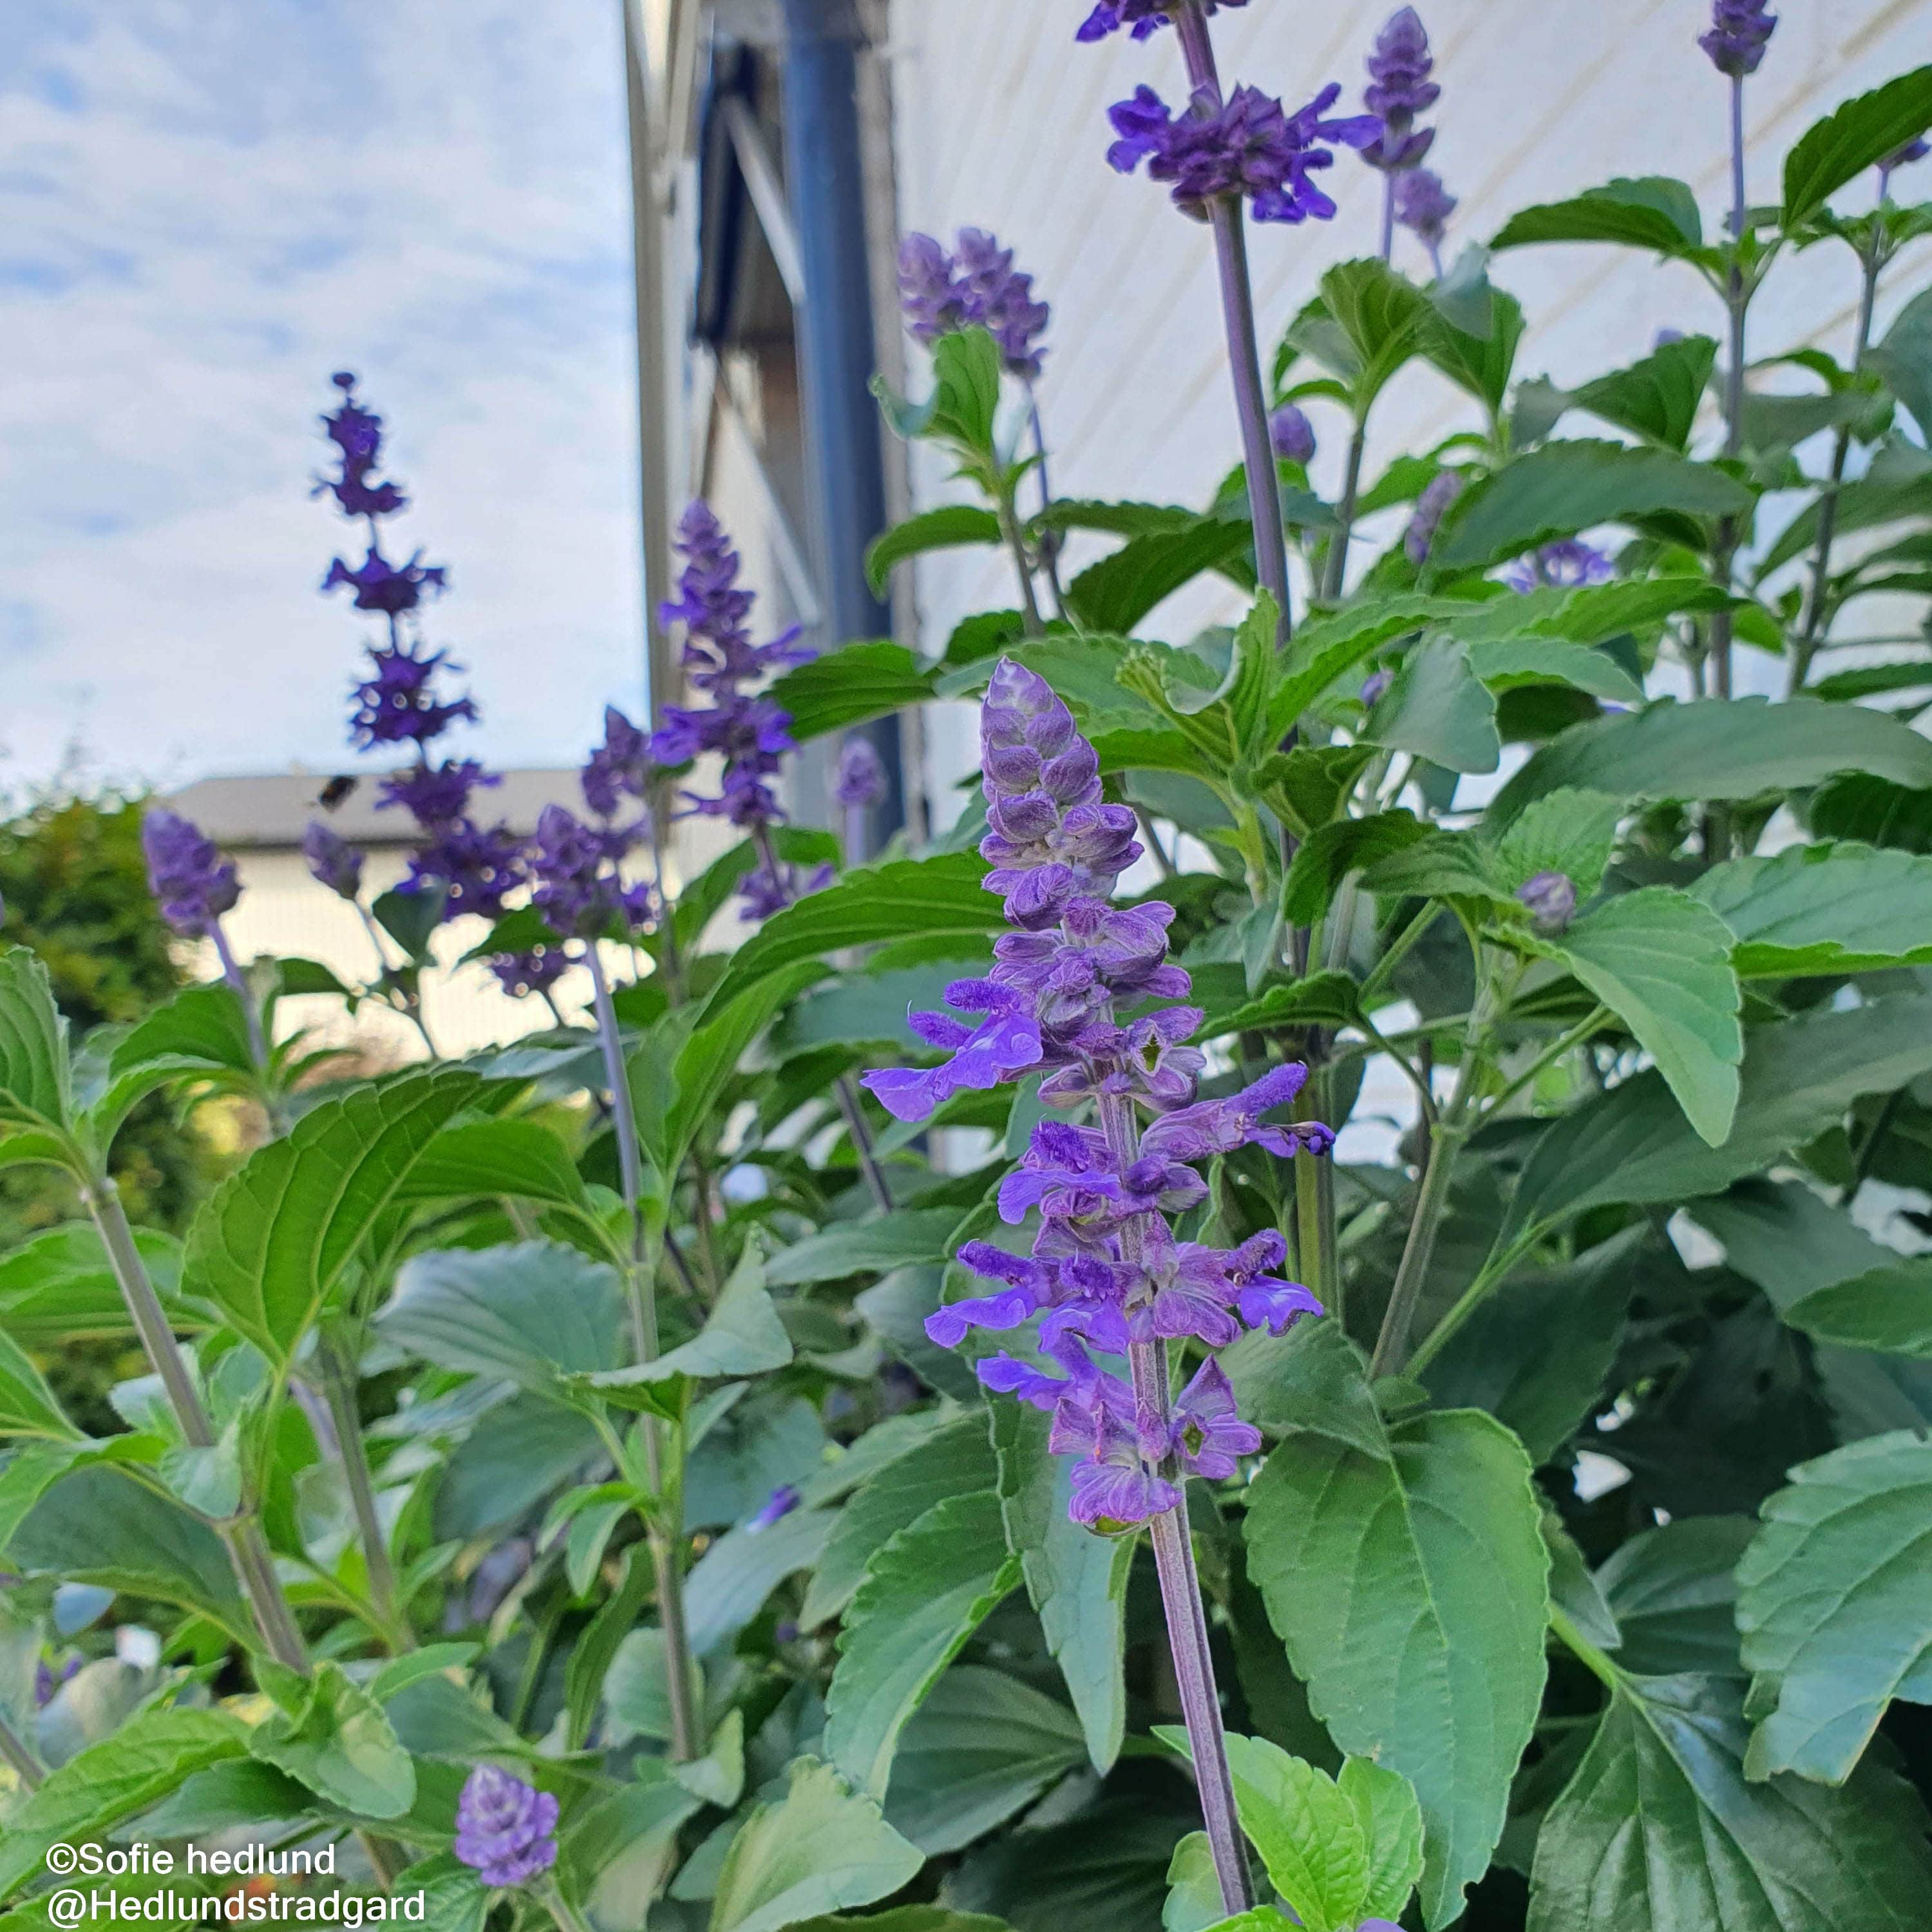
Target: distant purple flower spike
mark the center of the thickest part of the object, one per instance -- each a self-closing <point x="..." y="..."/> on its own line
<point x="1430" y="509"/>
<point x="1423" y="205"/>
<point x="506" y="1829"/>
<point x="1144" y="17"/>
<point x="1551" y="899"/>
<point x="398" y="703"/>
<point x="1291" y="435"/>
<point x="476" y="867"/>
<point x="620" y="767"/>
<point x="435" y="795"/>
<point x="357" y="433"/>
<point x="1739" y="32"/>
<point x="1568" y="565"/>
<point x="861" y="777"/>
<point x="1400" y="89"/>
<point x="1246" y="146"/>
<point x="974" y="285"/>
<point x="392" y="588"/>
<point x="929" y="298"/>
<point x="191" y="882"/>
<point x="574" y="882"/>
<point x="332" y="860"/>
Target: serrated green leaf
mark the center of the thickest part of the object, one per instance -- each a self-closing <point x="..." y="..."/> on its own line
<point x="1510" y="664"/>
<point x="521" y="1159"/>
<point x="1572" y="832"/>
<point x="1329" y="647"/>
<point x="1323" y="860"/>
<point x="1835" y="1605"/>
<point x="1411" y="1588"/>
<point x="729" y="1584"/>
<point x="822" y="1848"/>
<point x="1310" y="1835"/>
<point x="36" y="1087"/>
<point x="924" y="1594"/>
<point x="1674" y="1592"/>
<point x="854" y="684"/>
<point x="1438" y="709"/>
<point x="901" y="1240"/>
<point x="1903" y="360"/>
<point x="1852" y="139"/>
<point x="27" y="1407"/>
<point x="1383" y="317"/>
<point x="1658" y="398"/>
<point x="1391" y="1821"/>
<point x="1652" y="212"/>
<point x="1113" y="596"/>
<point x="340" y="1745"/>
<point x="1888" y="1309"/>
<point x="1661" y="963"/>
<point x="1824" y="909"/>
<point x="950" y="527"/>
<point x="742" y="1336"/>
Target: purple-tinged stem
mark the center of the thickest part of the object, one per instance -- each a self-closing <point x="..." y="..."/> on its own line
<point x="1049" y="541"/>
<point x="258" y="1045"/>
<point x="1180" y="1582"/>
<point x="1388" y="216"/>
<point x="1244" y="358"/>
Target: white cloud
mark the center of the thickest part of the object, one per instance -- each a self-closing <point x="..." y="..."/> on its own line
<point x="205" y="210"/>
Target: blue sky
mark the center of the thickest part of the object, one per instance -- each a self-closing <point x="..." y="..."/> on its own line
<point x="205" y="207"/>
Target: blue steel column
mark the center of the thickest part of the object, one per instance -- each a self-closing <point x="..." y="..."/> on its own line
<point x="824" y="172"/>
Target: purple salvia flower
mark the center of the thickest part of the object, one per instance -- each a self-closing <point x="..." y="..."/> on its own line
<point x="191" y="882"/>
<point x="476" y="867"/>
<point x="929" y="295"/>
<point x="391" y="588"/>
<point x="776" y="1508"/>
<point x="1246" y="146"/>
<point x="506" y="1829"/>
<point x="332" y="861"/>
<point x="1567" y="565"/>
<point x="47" y="1680"/>
<point x="1423" y="205"/>
<point x="1400" y="89"/>
<point x="1144" y="17"/>
<point x="861" y="777"/>
<point x="1208" y="1431"/>
<point x="1901" y="157"/>
<point x="520" y="974"/>
<point x="975" y="285"/>
<point x="1739" y="32"/>
<point x="1373" y="685"/>
<point x="1431" y="507"/>
<point x="1551" y="900"/>
<point x="435" y="795"/>
<point x="357" y="433"/>
<point x="398" y="703"/>
<point x="574" y="881"/>
<point x="1291" y="435"/>
<point x="620" y="767"/>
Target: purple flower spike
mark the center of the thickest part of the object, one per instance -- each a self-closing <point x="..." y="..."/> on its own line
<point x="576" y="885"/>
<point x="862" y="778"/>
<point x="1567" y="565"/>
<point x="974" y="286"/>
<point x="506" y="1829"/>
<point x="1423" y="205"/>
<point x="1431" y="507"/>
<point x="1400" y="89"/>
<point x="1291" y="435"/>
<point x="357" y="434"/>
<point x="1740" y="31"/>
<point x="1144" y="17"/>
<point x="435" y="795"/>
<point x="332" y="861"/>
<point x="520" y="974"/>
<point x="620" y="768"/>
<point x="1551" y="899"/>
<point x="398" y="703"/>
<point x="389" y="588"/>
<point x="191" y="882"/>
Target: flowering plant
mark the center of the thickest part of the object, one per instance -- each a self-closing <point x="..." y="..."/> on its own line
<point x="1356" y="1358"/>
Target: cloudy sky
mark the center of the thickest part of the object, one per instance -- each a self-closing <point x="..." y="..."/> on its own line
<point x="205" y="207"/>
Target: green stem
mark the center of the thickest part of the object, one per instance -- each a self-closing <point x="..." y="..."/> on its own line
<point x="1010" y="528"/>
<point x="1399" y="949"/>
<point x="1332" y="578"/>
<point x="14" y="1748"/>
<point x="1574" y="1038"/>
<point x="338" y="1384"/>
<point x="567" y="1917"/>
<point x="1392" y="1343"/>
<point x="1493" y="1271"/>
<point x="1583" y="1649"/>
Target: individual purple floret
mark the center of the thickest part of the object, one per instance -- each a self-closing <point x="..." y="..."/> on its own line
<point x="506" y="1829"/>
<point x="861" y="783"/>
<point x="1144" y="17"/>
<point x="391" y="588"/>
<point x="1374" y="686"/>
<point x="1291" y="435"/>
<point x="191" y="882"/>
<point x="1431" y="507"/>
<point x="1400" y="89"/>
<point x="1106" y="1272"/>
<point x="398" y="703"/>
<point x="476" y="867"/>
<point x="1912" y="151"/>
<point x="435" y="795"/>
<point x="1246" y="147"/>
<point x="1423" y="206"/>
<point x="520" y="974"/>
<point x="1739" y="32"/>
<point x="975" y="285"/>
<point x="47" y="1680"/>
<point x="776" y="1508"/>
<point x="357" y="433"/>
<point x="332" y="861"/>
<point x="1551" y="900"/>
<point x="1567" y="565"/>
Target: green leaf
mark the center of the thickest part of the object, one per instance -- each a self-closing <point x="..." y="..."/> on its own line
<point x="97" y="1526"/>
<point x="1888" y="1309"/>
<point x="637" y="1690"/>
<point x="28" y="1473"/>
<point x="1658" y="398"/>
<point x="1563" y="487"/>
<point x="950" y="527"/>
<point x="1473" y="338"/>
<point x="924" y="1594"/>
<point x="1633" y="1144"/>
<point x="1824" y="909"/>
<point x="1674" y="1594"/>
<point x="718" y="1776"/>
<point x="1322" y="998"/>
<point x="742" y="1336"/>
<point x="1659" y="1830"/>
<point x="1384" y="317"/>
<point x="852" y="685"/>
<point x="529" y="1313"/>
<point x="926" y="899"/>
<point x="1406" y="1572"/>
<point x="123" y="1775"/>
<point x="521" y="1159"/>
<point x="1853" y="138"/>
<point x="1308" y="1833"/>
<point x="1113" y="595"/>
<point x="1328" y="648"/>
<point x="340" y="1745"/>
<point x="1323" y="860"/>
<point x="1076" y="1582"/>
<point x="1438" y="709"/>
<point x="1834" y="1606"/>
<point x="278" y="1235"/>
<point x="861" y="1247"/>
<point x="1903" y="360"/>
<point x="823" y="1848"/>
<point x="1784" y="1237"/>
<point x="955" y="1460"/>
<point x="35" y="1085"/>
<point x="730" y="1582"/>
<point x="1715" y="749"/>
<point x="1594" y="613"/>
<point x="983" y="1745"/>
<point x="1510" y="664"/>
<point x="60" y="1286"/>
<point x="201" y="1033"/>
<point x="1661" y="963"/>
<point x="1571" y="832"/>
<point x="1194" y="1901"/>
<point x="1873" y="812"/>
<point x="1652" y="212"/>
<point x="1099" y="1871"/>
<point x="1391" y="1821"/>
<point x="27" y="1407"/>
